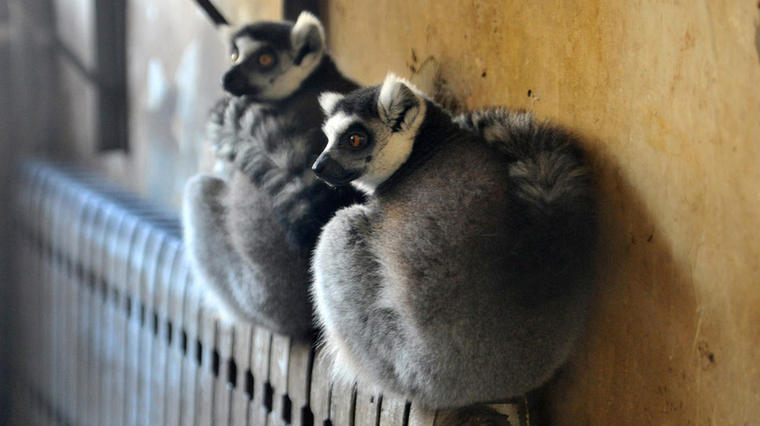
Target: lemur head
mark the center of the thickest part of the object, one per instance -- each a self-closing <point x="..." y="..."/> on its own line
<point x="272" y="59"/>
<point x="370" y="133"/>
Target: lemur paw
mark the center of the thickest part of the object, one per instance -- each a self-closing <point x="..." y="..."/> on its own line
<point x="225" y="150"/>
<point x="203" y="188"/>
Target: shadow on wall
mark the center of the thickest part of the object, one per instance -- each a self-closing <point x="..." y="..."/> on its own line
<point x="643" y="328"/>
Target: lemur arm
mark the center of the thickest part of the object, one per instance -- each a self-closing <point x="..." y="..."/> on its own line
<point x="233" y="284"/>
<point x="362" y="330"/>
<point x="223" y="127"/>
<point x="208" y="249"/>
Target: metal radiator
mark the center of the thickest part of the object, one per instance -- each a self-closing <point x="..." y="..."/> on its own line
<point x="109" y="328"/>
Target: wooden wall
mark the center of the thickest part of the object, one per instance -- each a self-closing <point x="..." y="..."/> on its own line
<point x="667" y="94"/>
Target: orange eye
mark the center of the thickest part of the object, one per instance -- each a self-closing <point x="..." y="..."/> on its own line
<point x="265" y="59"/>
<point x="355" y="140"/>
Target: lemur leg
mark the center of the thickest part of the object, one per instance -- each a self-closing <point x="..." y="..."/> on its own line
<point x="207" y="243"/>
<point x="362" y="328"/>
<point x="235" y="284"/>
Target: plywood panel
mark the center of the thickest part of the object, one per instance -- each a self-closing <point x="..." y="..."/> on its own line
<point x="668" y="95"/>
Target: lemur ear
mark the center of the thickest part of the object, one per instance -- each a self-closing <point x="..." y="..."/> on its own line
<point x="328" y="100"/>
<point x="398" y="104"/>
<point x="307" y="38"/>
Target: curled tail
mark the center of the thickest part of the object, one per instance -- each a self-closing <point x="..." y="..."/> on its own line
<point x="550" y="186"/>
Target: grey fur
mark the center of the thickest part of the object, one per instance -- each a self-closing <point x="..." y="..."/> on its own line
<point x="250" y="235"/>
<point x="466" y="276"/>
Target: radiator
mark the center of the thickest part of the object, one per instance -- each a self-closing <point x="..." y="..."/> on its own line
<point x="109" y="328"/>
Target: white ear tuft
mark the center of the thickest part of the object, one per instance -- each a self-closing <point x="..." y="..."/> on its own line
<point x="307" y="19"/>
<point x="307" y="37"/>
<point x="328" y="100"/>
<point x="398" y="103"/>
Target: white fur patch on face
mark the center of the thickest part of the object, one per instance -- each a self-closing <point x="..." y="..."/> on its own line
<point x="386" y="161"/>
<point x="335" y="126"/>
<point x="401" y="109"/>
<point x="394" y="150"/>
<point x="245" y="47"/>
<point x="289" y="81"/>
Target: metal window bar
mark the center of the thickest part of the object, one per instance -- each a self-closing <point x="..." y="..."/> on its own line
<point x="111" y="56"/>
<point x="111" y="330"/>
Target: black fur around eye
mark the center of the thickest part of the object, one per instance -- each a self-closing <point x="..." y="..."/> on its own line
<point x="355" y="139"/>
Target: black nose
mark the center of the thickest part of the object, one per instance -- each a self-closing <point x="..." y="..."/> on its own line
<point x="330" y="171"/>
<point x="234" y="82"/>
<point x="321" y="163"/>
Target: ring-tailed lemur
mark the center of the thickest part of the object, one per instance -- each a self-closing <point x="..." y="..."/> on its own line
<point x="249" y="237"/>
<point x="466" y="275"/>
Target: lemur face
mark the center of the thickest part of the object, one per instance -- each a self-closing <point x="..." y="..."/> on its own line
<point x="272" y="59"/>
<point x="370" y="133"/>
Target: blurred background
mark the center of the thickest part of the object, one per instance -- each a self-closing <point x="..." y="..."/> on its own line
<point x="121" y="87"/>
<point x="666" y="93"/>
